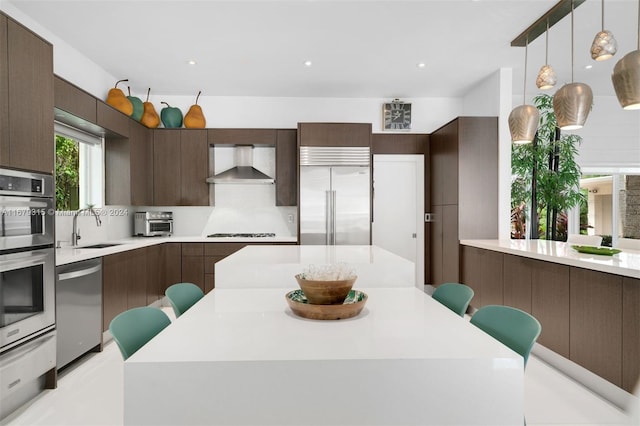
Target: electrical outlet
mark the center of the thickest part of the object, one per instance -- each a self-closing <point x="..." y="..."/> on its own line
<point x="290" y="218"/>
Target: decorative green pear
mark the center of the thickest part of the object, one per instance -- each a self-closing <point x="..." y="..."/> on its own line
<point x="171" y="116"/>
<point x="138" y="108"/>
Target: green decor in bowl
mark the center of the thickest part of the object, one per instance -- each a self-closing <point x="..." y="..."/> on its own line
<point x="605" y="251"/>
<point x="352" y="305"/>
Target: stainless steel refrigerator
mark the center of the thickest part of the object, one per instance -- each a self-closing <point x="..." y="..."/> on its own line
<point x="335" y="195"/>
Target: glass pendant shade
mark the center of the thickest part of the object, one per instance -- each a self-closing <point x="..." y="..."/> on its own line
<point x="546" y="77"/>
<point x="626" y="80"/>
<point x="572" y="104"/>
<point x="523" y="123"/>
<point x="604" y="46"/>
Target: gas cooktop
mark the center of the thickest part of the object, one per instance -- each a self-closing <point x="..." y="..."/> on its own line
<point x="242" y="235"/>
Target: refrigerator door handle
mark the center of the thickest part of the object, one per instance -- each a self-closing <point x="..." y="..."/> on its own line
<point x="333" y="216"/>
<point x="328" y="217"/>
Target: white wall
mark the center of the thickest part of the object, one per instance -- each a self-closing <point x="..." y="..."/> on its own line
<point x="491" y="97"/>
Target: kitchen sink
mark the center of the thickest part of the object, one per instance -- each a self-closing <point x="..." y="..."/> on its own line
<point x="99" y="246"/>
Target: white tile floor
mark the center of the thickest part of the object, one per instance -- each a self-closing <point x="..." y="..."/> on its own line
<point x="90" y="393"/>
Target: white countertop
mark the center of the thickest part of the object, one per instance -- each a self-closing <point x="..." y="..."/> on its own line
<point x="68" y="254"/>
<point x="240" y="348"/>
<point x="626" y="263"/>
<point x="276" y="266"/>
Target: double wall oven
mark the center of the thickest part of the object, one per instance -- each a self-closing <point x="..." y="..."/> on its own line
<point x="27" y="280"/>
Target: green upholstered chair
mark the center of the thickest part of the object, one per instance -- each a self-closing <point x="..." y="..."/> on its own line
<point x="454" y="296"/>
<point x="513" y="327"/>
<point x="133" y="328"/>
<point x="182" y="296"/>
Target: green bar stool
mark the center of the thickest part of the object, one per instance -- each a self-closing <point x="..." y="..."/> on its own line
<point x="454" y="296"/>
<point x="182" y="296"/>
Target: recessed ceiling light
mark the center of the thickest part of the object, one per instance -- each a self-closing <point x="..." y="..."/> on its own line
<point x="421" y="65"/>
<point x="307" y="63"/>
<point x="191" y="62"/>
<point x="588" y="67"/>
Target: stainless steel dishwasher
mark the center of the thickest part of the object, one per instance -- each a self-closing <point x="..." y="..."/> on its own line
<point x="78" y="309"/>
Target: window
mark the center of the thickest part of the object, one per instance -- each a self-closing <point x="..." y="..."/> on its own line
<point x="613" y="205"/>
<point x="79" y="169"/>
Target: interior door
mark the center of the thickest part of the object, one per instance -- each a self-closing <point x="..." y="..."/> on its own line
<point x="398" y="205"/>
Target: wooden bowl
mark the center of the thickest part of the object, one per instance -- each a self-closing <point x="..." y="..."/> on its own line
<point x="325" y="292"/>
<point x="352" y="306"/>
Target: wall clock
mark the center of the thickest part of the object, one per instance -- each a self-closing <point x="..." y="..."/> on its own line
<point x="397" y="116"/>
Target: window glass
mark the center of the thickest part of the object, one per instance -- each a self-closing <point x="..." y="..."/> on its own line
<point x="79" y="169"/>
<point x="613" y="206"/>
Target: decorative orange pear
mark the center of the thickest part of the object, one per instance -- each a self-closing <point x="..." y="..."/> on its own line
<point x="118" y="100"/>
<point x="194" y="119"/>
<point x="150" y="117"/>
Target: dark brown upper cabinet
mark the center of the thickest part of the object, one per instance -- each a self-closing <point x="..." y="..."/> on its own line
<point x="396" y="143"/>
<point x="242" y="136"/>
<point x="74" y="101"/>
<point x="286" y="168"/>
<point x="26" y="99"/>
<point x="334" y="134"/>
<point x="180" y="167"/>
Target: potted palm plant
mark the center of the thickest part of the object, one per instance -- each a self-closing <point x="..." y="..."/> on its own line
<point x="545" y="177"/>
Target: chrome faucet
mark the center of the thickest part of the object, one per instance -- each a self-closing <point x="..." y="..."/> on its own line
<point x="75" y="235"/>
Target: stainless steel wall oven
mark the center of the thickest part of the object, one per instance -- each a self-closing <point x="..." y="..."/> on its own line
<point x="27" y="263"/>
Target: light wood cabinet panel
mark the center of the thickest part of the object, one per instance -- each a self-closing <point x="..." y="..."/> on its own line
<point x="4" y="92"/>
<point x="550" y="304"/>
<point x="595" y="336"/>
<point x="166" y="167"/>
<point x="517" y="272"/>
<point x="630" y="333"/>
<point x="194" y="165"/>
<point x="30" y="101"/>
<point x="334" y="134"/>
<point x="286" y="168"/>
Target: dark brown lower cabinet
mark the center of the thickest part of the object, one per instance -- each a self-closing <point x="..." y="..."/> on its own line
<point x="630" y="333"/>
<point x="193" y="263"/>
<point x="595" y="336"/>
<point x="550" y="304"/>
<point x="124" y="283"/>
<point x="482" y="271"/>
<point x="172" y="270"/>
<point x="589" y="317"/>
<point x="154" y="270"/>
<point x="517" y="281"/>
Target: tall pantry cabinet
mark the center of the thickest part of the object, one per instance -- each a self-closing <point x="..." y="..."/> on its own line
<point x="26" y="99"/>
<point x="464" y="190"/>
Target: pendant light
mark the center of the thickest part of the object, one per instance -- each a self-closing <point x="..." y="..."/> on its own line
<point x="626" y="76"/>
<point x="546" y="76"/>
<point x="523" y="120"/>
<point x="572" y="102"/>
<point x="604" y="45"/>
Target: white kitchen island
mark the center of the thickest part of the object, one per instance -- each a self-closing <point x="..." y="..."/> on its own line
<point x="241" y="357"/>
<point x="276" y="266"/>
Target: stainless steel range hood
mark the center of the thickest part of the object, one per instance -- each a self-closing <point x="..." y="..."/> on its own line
<point x="243" y="172"/>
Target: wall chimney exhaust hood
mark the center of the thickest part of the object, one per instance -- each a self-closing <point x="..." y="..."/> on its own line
<point x="243" y="172"/>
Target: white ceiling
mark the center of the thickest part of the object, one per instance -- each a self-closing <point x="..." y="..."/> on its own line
<point x="358" y="48"/>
